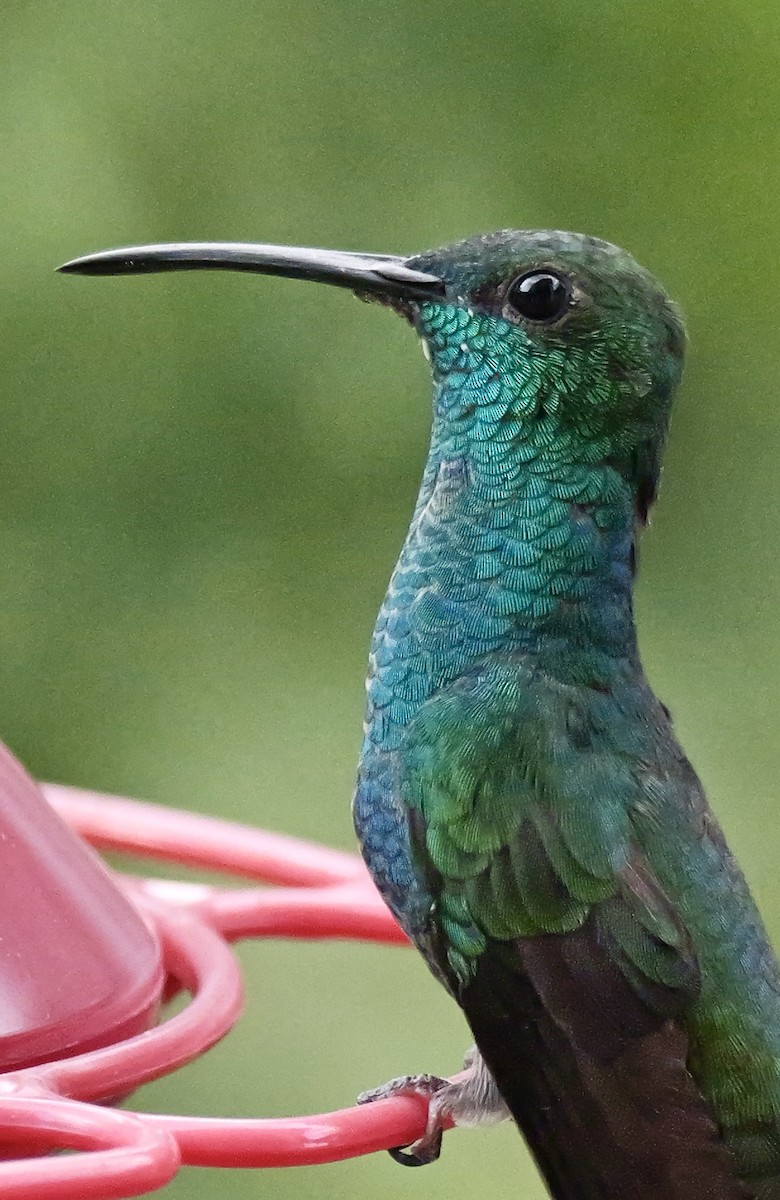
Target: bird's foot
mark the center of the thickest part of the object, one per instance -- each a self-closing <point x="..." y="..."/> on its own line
<point x="432" y="1088"/>
<point x="473" y="1099"/>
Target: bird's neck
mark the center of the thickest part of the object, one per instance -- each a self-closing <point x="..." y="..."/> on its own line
<point x="523" y="541"/>
<point x="540" y="545"/>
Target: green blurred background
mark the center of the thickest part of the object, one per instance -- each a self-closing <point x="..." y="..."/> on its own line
<point x="206" y="477"/>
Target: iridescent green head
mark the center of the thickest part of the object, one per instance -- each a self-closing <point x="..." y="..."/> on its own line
<point x="547" y="334"/>
<point x="589" y="344"/>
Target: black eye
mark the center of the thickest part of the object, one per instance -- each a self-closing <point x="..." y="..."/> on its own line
<point x="539" y="296"/>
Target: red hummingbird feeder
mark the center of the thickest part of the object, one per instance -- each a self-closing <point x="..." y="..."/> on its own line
<point x="87" y="957"/>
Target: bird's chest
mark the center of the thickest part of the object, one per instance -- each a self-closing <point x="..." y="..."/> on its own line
<point x="432" y="627"/>
<point x="453" y="598"/>
<point x="434" y="623"/>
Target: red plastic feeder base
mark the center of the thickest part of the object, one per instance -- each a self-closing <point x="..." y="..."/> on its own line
<point x="89" y="997"/>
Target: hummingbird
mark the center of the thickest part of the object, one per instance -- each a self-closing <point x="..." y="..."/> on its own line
<point x="522" y="802"/>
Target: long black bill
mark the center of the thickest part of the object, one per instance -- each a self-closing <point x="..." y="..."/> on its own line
<point x="379" y="273"/>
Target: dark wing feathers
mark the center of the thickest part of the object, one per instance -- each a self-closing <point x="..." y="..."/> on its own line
<point x="596" y="1081"/>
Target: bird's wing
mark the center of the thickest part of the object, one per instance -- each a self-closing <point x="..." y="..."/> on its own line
<point x="568" y="959"/>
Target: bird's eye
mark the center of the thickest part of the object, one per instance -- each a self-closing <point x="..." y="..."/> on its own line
<point x="539" y="296"/>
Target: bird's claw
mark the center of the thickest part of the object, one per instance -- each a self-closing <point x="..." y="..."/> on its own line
<point x="428" y="1147"/>
<point x="425" y="1150"/>
<point x="470" y="1099"/>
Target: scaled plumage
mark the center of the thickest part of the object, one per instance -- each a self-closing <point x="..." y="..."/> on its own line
<point x="522" y="801"/>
